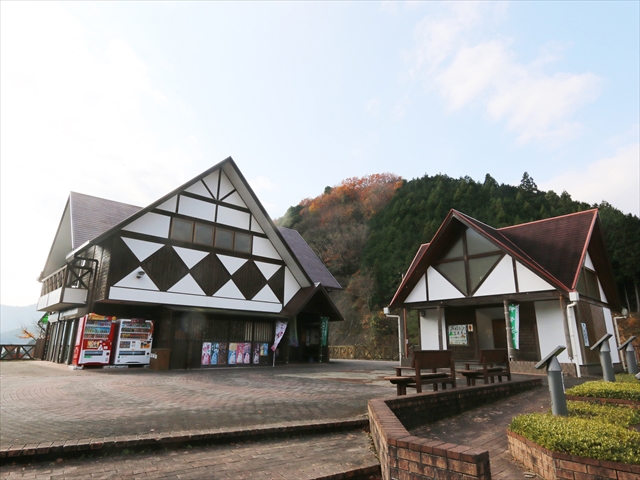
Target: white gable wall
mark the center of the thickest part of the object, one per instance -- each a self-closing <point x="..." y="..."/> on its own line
<point x="529" y="281"/>
<point x="500" y="281"/>
<point x="439" y="287"/>
<point x="152" y="224"/>
<point x="197" y="208"/>
<point x="419" y="292"/>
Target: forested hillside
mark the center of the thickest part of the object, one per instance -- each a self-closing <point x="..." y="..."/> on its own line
<point x="367" y="231"/>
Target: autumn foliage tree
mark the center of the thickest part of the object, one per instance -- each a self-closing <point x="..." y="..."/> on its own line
<point x="335" y="225"/>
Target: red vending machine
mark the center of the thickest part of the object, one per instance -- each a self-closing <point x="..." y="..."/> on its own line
<point x="94" y="340"/>
<point x="133" y="344"/>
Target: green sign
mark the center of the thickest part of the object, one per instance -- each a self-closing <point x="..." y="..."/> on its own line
<point x="514" y="320"/>
<point x="324" y="330"/>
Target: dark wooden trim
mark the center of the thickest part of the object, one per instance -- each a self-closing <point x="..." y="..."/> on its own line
<point x="206" y="187"/>
<point x="228" y="194"/>
<point x="204" y="222"/>
<point x="482" y="301"/>
<point x="202" y="248"/>
<point x="217" y="202"/>
<point x="515" y="274"/>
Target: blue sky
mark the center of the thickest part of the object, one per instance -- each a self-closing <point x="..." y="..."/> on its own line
<point x="129" y="100"/>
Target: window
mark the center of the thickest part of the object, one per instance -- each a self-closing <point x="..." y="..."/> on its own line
<point x="203" y="234"/>
<point x="181" y="230"/>
<point x="224" y="239"/>
<point x="588" y="284"/>
<point x="468" y="261"/>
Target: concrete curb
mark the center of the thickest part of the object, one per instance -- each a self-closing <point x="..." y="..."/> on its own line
<point x="60" y="449"/>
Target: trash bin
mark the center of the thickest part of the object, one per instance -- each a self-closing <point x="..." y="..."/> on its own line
<point x="160" y="359"/>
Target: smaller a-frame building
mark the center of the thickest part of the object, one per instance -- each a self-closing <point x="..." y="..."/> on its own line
<point x="205" y="263"/>
<point x="471" y="279"/>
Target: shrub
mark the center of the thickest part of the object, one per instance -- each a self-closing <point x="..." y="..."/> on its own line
<point x="627" y="378"/>
<point x="579" y="436"/>
<point x="602" y="389"/>
<point x="621" y="416"/>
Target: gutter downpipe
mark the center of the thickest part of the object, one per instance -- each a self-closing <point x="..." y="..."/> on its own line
<point x="571" y="320"/>
<point x="400" y="331"/>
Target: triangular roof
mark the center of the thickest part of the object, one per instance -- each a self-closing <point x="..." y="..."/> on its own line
<point x="85" y="217"/>
<point x="88" y="220"/>
<point x="554" y="248"/>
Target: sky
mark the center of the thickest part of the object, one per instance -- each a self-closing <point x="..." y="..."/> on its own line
<point x="128" y="100"/>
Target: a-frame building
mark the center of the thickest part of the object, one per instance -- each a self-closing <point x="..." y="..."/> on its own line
<point x="204" y="262"/>
<point x="464" y="281"/>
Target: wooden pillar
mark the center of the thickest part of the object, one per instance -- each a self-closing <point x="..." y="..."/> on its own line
<point x="440" y="346"/>
<point x="507" y="323"/>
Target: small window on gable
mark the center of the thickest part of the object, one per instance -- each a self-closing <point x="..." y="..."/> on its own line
<point x="242" y="243"/>
<point x="203" y="234"/>
<point x="224" y="239"/>
<point x="591" y="279"/>
<point x="181" y="230"/>
<point x="468" y="261"/>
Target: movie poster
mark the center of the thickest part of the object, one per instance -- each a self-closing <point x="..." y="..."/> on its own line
<point x="256" y="354"/>
<point x="215" y="348"/>
<point x="206" y="353"/>
<point x="232" y="353"/>
<point x="239" y="353"/>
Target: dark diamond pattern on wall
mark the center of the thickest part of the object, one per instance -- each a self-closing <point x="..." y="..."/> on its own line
<point x="276" y="282"/>
<point x="210" y="274"/>
<point x="122" y="261"/>
<point x="249" y="280"/>
<point x="165" y="268"/>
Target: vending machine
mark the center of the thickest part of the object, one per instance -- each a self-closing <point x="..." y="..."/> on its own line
<point x="133" y="344"/>
<point x="94" y="340"/>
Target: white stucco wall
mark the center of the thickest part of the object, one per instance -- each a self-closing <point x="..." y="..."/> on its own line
<point x="550" y="323"/>
<point x="429" y="329"/>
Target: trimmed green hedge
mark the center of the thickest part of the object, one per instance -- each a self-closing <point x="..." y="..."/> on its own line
<point x="602" y="389"/>
<point x="583" y="437"/>
<point x="619" y="415"/>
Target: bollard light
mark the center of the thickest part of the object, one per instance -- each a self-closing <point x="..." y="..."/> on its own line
<point x="555" y="380"/>
<point x="630" y="353"/>
<point x="605" y="357"/>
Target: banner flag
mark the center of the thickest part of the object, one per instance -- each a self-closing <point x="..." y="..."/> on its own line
<point x="280" y="328"/>
<point x="324" y="330"/>
<point x="514" y="319"/>
<point x="293" y="332"/>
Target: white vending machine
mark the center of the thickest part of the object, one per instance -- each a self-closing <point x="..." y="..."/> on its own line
<point x="133" y="343"/>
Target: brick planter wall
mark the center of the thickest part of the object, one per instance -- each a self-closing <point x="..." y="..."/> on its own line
<point x="407" y="457"/>
<point x="552" y="465"/>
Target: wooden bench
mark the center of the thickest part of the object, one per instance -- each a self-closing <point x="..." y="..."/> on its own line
<point x="425" y="371"/>
<point x="493" y="363"/>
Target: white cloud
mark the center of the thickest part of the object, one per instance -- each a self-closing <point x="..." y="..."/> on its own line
<point x="466" y="70"/>
<point x="73" y="118"/>
<point x="372" y="107"/>
<point x="615" y="179"/>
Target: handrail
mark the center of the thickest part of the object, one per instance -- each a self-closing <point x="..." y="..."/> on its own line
<point x="17" y="352"/>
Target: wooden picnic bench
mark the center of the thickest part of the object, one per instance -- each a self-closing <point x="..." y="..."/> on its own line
<point x="493" y="363"/>
<point x="425" y="370"/>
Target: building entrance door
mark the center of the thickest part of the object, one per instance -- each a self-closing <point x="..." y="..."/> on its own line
<point x="499" y="333"/>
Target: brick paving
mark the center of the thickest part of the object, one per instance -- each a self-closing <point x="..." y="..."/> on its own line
<point x="44" y="402"/>
<point x="485" y="428"/>
<point x="307" y="457"/>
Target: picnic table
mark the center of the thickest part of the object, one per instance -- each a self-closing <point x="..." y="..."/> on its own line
<point x="432" y="367"/>
<point x="493" y="363"/>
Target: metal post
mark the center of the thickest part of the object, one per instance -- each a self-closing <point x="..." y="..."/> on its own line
<point x="605" y="358"/>
<point x="556" y="388"/>
<point x="632" y="362"/>
<point x="556" y="382"/>
<point x="400" y="335"/>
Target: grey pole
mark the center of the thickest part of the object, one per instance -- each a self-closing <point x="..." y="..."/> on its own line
<point x="632" y="363"/>
<point x="556" y="382"/>
<point x="605" y="358"/>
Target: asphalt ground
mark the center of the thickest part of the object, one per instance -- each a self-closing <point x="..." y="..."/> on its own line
<point x="45" y="402"/>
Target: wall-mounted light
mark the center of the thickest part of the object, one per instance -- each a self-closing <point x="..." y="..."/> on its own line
<point x="140" y="274"/>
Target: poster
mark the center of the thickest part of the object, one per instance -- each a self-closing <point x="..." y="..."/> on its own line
<point x="324" y="330"/>
<point x="215" y="348"/>
<point x="458" y="335"/>
<point x="222" y="353"/>
<point x="514" y="319"/>
<point x="256" y="354"/>
<point x="585" y="335"/>
<point x="231" y="358"/>
<point x="206" y="353"/>
<point x="239" y="353"/>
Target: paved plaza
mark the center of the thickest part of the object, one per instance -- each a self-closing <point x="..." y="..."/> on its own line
<point x="45" y="402"/>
